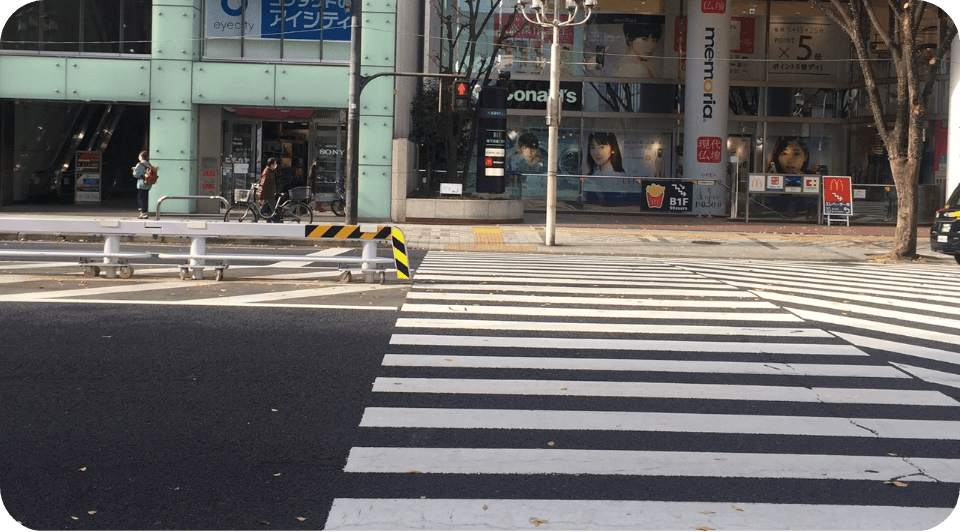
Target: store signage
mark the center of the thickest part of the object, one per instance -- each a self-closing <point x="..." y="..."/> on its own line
<point x="837" y="196"/>
<point x="667" y="196"/>
<point x="313" y="20"/>
<point x="533" y="94"/>
<point x="87" y="184"/>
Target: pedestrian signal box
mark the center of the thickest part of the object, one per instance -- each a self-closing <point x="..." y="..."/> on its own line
<point x="462" y="91"/>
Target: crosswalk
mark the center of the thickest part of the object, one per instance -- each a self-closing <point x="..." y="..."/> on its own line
<point x="579" y="392"/>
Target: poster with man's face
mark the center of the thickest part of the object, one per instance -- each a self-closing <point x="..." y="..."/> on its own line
<point x="624" y="46"/>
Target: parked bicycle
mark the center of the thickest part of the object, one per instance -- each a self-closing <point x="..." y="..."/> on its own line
<point x="337" y="205"/>
<point x="286" y="209"/>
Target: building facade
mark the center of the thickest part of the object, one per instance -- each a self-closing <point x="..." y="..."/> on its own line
<point x="213" y="88"/>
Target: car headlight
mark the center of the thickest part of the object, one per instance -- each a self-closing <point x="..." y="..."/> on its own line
<point x="945" y="228"/>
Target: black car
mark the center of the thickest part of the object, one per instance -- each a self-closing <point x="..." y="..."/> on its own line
<point x="945" y="232"/>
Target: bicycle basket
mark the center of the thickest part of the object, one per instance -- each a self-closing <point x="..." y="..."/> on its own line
<point x="241" y="194"/>
<point x="299" y="193"/>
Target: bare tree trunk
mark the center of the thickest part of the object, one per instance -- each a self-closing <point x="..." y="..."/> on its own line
<point x="905" y="176"/>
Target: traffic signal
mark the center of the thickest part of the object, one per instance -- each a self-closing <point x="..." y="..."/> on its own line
<point x="462" y="90"/>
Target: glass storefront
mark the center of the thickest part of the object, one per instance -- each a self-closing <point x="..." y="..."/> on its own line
<point x="622" y="94"/>
<point x="309" y="146"/>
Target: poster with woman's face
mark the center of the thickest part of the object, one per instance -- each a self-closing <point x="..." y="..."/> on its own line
<point x="624" y="45"/>
<point x="626" y="153"/>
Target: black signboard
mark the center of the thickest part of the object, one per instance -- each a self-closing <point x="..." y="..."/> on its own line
<point x="666" y="196"/>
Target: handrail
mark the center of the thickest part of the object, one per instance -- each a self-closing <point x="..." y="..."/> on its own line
<point x="222" y="199"/>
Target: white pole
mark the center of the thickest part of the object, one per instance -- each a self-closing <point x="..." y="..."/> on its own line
<point x="553" y="123"/>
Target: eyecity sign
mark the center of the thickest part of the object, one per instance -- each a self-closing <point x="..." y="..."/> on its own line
<point x="312" y="20"/>
<point x="705" y="138"/>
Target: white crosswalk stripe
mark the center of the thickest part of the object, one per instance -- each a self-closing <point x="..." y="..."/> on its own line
<point x="621" y="393"/>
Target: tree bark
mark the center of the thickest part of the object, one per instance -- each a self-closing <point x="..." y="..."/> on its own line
<point x="905" y="176"/>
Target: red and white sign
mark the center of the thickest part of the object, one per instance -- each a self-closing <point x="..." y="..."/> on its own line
<point x="837" y="195"/>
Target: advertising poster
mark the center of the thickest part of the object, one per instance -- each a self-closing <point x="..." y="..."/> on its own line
<point x="804" y="49"/>
<point x="837" y="196"/>
<point x="667" y="196"/>
<point x="757" y="183"/>
<point x="526" y="154"/>
<point x="525" y="46"/>
<point x="312" y="20"/>
<point x="613" y="160"/>
<point x="811" y="184"/>
<point x="624" y="46"/>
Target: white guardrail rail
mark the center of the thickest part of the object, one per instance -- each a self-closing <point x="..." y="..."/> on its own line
<point x="114" y="261"/>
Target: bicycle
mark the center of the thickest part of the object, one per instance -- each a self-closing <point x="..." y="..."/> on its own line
<point x="337" y="205"/>
<point x="247" y="209"/>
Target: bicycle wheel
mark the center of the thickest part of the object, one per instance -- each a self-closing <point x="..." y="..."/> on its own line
<point x="241" y="212"/>
<point x="288" y="214"/>
<point x="337" y="207"/>
<point x="302" y="211"/>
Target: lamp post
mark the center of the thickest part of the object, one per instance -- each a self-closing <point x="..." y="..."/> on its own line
<point x="533" y="11"/>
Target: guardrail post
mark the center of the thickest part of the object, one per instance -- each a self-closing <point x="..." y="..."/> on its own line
<point x="198" y="247"/>
<point x="369" y="252"/>
<point x="111" y="244"/>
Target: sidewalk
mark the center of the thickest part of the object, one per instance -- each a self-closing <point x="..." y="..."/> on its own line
<point x="657" y="236"/>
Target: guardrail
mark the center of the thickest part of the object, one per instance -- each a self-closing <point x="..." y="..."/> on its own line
<point x="199" y="230"/>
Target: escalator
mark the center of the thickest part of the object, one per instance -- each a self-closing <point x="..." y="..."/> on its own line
<point x="91" y="130"/>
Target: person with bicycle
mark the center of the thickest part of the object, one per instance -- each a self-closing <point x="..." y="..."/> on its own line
<point x="268" y="189"/>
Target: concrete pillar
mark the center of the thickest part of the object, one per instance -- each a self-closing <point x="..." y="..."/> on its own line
<point x="173" y="117"/>
<point x="706" y="104"/>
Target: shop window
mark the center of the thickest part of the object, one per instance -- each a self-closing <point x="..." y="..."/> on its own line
<point x="88" y="26"/>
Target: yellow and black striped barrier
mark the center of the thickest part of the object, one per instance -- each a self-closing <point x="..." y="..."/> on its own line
<point x="366" y="233"/>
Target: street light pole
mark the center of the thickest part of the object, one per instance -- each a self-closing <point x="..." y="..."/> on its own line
<point x="534" y="9"/>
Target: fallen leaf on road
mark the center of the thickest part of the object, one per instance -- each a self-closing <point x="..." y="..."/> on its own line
<point x="550" y="443"/>
<point x="412" y="471"/>
<point x="702" y="528"/>
<point x="896" y="483"/>
<point x="75" y="518"/>
<point x="265" y="523"/>
<point x="707" y="512"/>
<point x="737" y="508"/>
<point x="537" y="522"/>
<point x="485" y="507"/>
<point x="84" y="468"/>
<point x="301" y="519"/>
<point x="277" y="474"/>
<point x="92" y="512"/>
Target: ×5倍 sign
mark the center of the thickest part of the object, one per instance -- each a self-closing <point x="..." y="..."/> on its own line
<point x="311" y="20"/>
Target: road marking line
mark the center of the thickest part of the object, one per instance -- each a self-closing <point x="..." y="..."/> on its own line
<point x="888" y="328"/>
<point x="928" y="353"/>
<point x="650" y="463"/>
<point x="568" y="300"/>
<point x="518" y="514"/>
<point x="663" y="390"/>
<point x="688" y="316"/>
<point x="618" y="364"/>
<point x="626" y="328"/>
<point x="502" y="419"/>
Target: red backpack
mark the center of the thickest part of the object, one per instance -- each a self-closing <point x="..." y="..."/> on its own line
<point x="150" y="176"/>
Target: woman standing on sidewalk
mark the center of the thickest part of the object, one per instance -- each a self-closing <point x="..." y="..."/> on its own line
<point x="143" y="189"/>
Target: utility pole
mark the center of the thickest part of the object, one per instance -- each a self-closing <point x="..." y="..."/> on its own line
<point x="351" y="178"/>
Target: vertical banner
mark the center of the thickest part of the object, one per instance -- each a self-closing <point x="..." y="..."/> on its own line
<point x="707" y="96"/>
